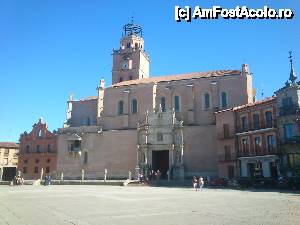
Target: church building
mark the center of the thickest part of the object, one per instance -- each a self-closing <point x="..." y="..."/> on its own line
<point x="142" y="122"/>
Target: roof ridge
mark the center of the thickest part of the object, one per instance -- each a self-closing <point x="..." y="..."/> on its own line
<point x="181" y="76"/>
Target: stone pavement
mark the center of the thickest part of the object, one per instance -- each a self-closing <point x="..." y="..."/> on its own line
<point x="82" y="205"/>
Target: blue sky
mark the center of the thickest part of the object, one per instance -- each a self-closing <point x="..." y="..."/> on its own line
<point x="51" y="48"/>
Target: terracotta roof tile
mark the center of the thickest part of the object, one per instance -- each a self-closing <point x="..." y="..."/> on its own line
<point x="216" y="73"/>
<point x="254" y="103"/>
<point x="9" y="145"/>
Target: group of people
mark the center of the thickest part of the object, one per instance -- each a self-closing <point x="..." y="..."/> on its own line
<point x="152" y="176"/>
<point x="47" y="180"/>
<point x="18" y="180"/>
<point x="198" y="183"/>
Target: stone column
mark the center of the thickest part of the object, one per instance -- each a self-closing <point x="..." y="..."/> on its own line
<point x="41" y="175"/>
<point x="105" y="174"/>
<point x="82" y="174"/>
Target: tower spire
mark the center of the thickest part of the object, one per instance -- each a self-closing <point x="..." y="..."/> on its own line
<point x="293" y="76"/>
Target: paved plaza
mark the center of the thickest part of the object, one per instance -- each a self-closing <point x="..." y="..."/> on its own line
<point x="59" y="205"/>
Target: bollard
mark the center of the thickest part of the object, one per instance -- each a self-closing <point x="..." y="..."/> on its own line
<point x="62" y="176"/>
<point x="82" y="174"/>
<point x="105" y="174"/>
<point x="168" y="173"/>
<point x="42" y="173"/>
<point x="129" y="175"/>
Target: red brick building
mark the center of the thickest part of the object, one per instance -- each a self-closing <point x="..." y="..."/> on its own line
<point x="38" y="152"/>
<point x="247" y="140"/>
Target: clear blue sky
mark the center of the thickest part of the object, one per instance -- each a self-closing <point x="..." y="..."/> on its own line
<point x="51" y="48"/>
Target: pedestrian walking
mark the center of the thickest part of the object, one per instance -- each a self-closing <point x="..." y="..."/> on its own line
<point x="201" y="183"/>
<point x="195" y="183"/>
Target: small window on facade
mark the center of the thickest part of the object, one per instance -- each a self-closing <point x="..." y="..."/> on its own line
<point x="25" y="161"/>
<point x="38" y="148"/>
<point x="49" y="148"/>
<point x="223" y="100"/>
<point x="27" y="149"/>
<point x="120" y="108"/>
<point x="48" y="160"/>
<point x="37" y="161"/>
<point x="24" y="169"/>
<point x="245" y="145"/>
<point x="36" y="169"/>
<point x="288" y="130"/>
<point x="136" y="45"/>
<point x="176" y="103"/>
<point x="134" y="106"/>
<point x="130" y="77"/>
<point x="121" y="79"/>
<point x="244" y="122"/>
<point x="40" y="133"/>
<point x="6" y="152"/>
<point x="128" y="45"/>
<point x="160" y="137"/>
<point x="256" y="124"/>
<point x="163" y="103"/>
<point x="85" y="158"/>
<point x="271" y="143"/>
<point x="47" y="169"/>
<point x="206" y="101"/>
<point x="77" y="144"/>
<point x="257" y="145"/>
<point x="269" y="119"/>
<point x="287" y="102"/>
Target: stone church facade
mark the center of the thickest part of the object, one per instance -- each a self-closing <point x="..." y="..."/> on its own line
<point x="141" y="122"/>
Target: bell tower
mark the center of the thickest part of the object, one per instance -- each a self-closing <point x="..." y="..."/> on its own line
<point x="130" y="61"/>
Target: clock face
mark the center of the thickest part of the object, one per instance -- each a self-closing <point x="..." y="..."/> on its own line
<point x="125" y="65"/>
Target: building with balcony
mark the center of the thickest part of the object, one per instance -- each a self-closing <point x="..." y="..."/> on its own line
<point x="8" y="160"/>
<point x="288" y="116"/>
<point x="247" y="140"/>
<point x="38" y="152"/>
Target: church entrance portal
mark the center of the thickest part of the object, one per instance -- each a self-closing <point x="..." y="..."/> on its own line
<point x="160" y="161"/>
<point x="9" y="173"/>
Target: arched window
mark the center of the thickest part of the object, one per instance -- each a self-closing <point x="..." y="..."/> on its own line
<point x="176" y="103"/>
<point x="27" y="149"/>
<point x="40" y="133"/>
<point x="223" y="100"/>
<point x="120" y="108"/>
<point x="206" y="101"/>
<point x="163" y="103"/>
<point x="49" y="148"/>
<point x="134" y="106"/>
